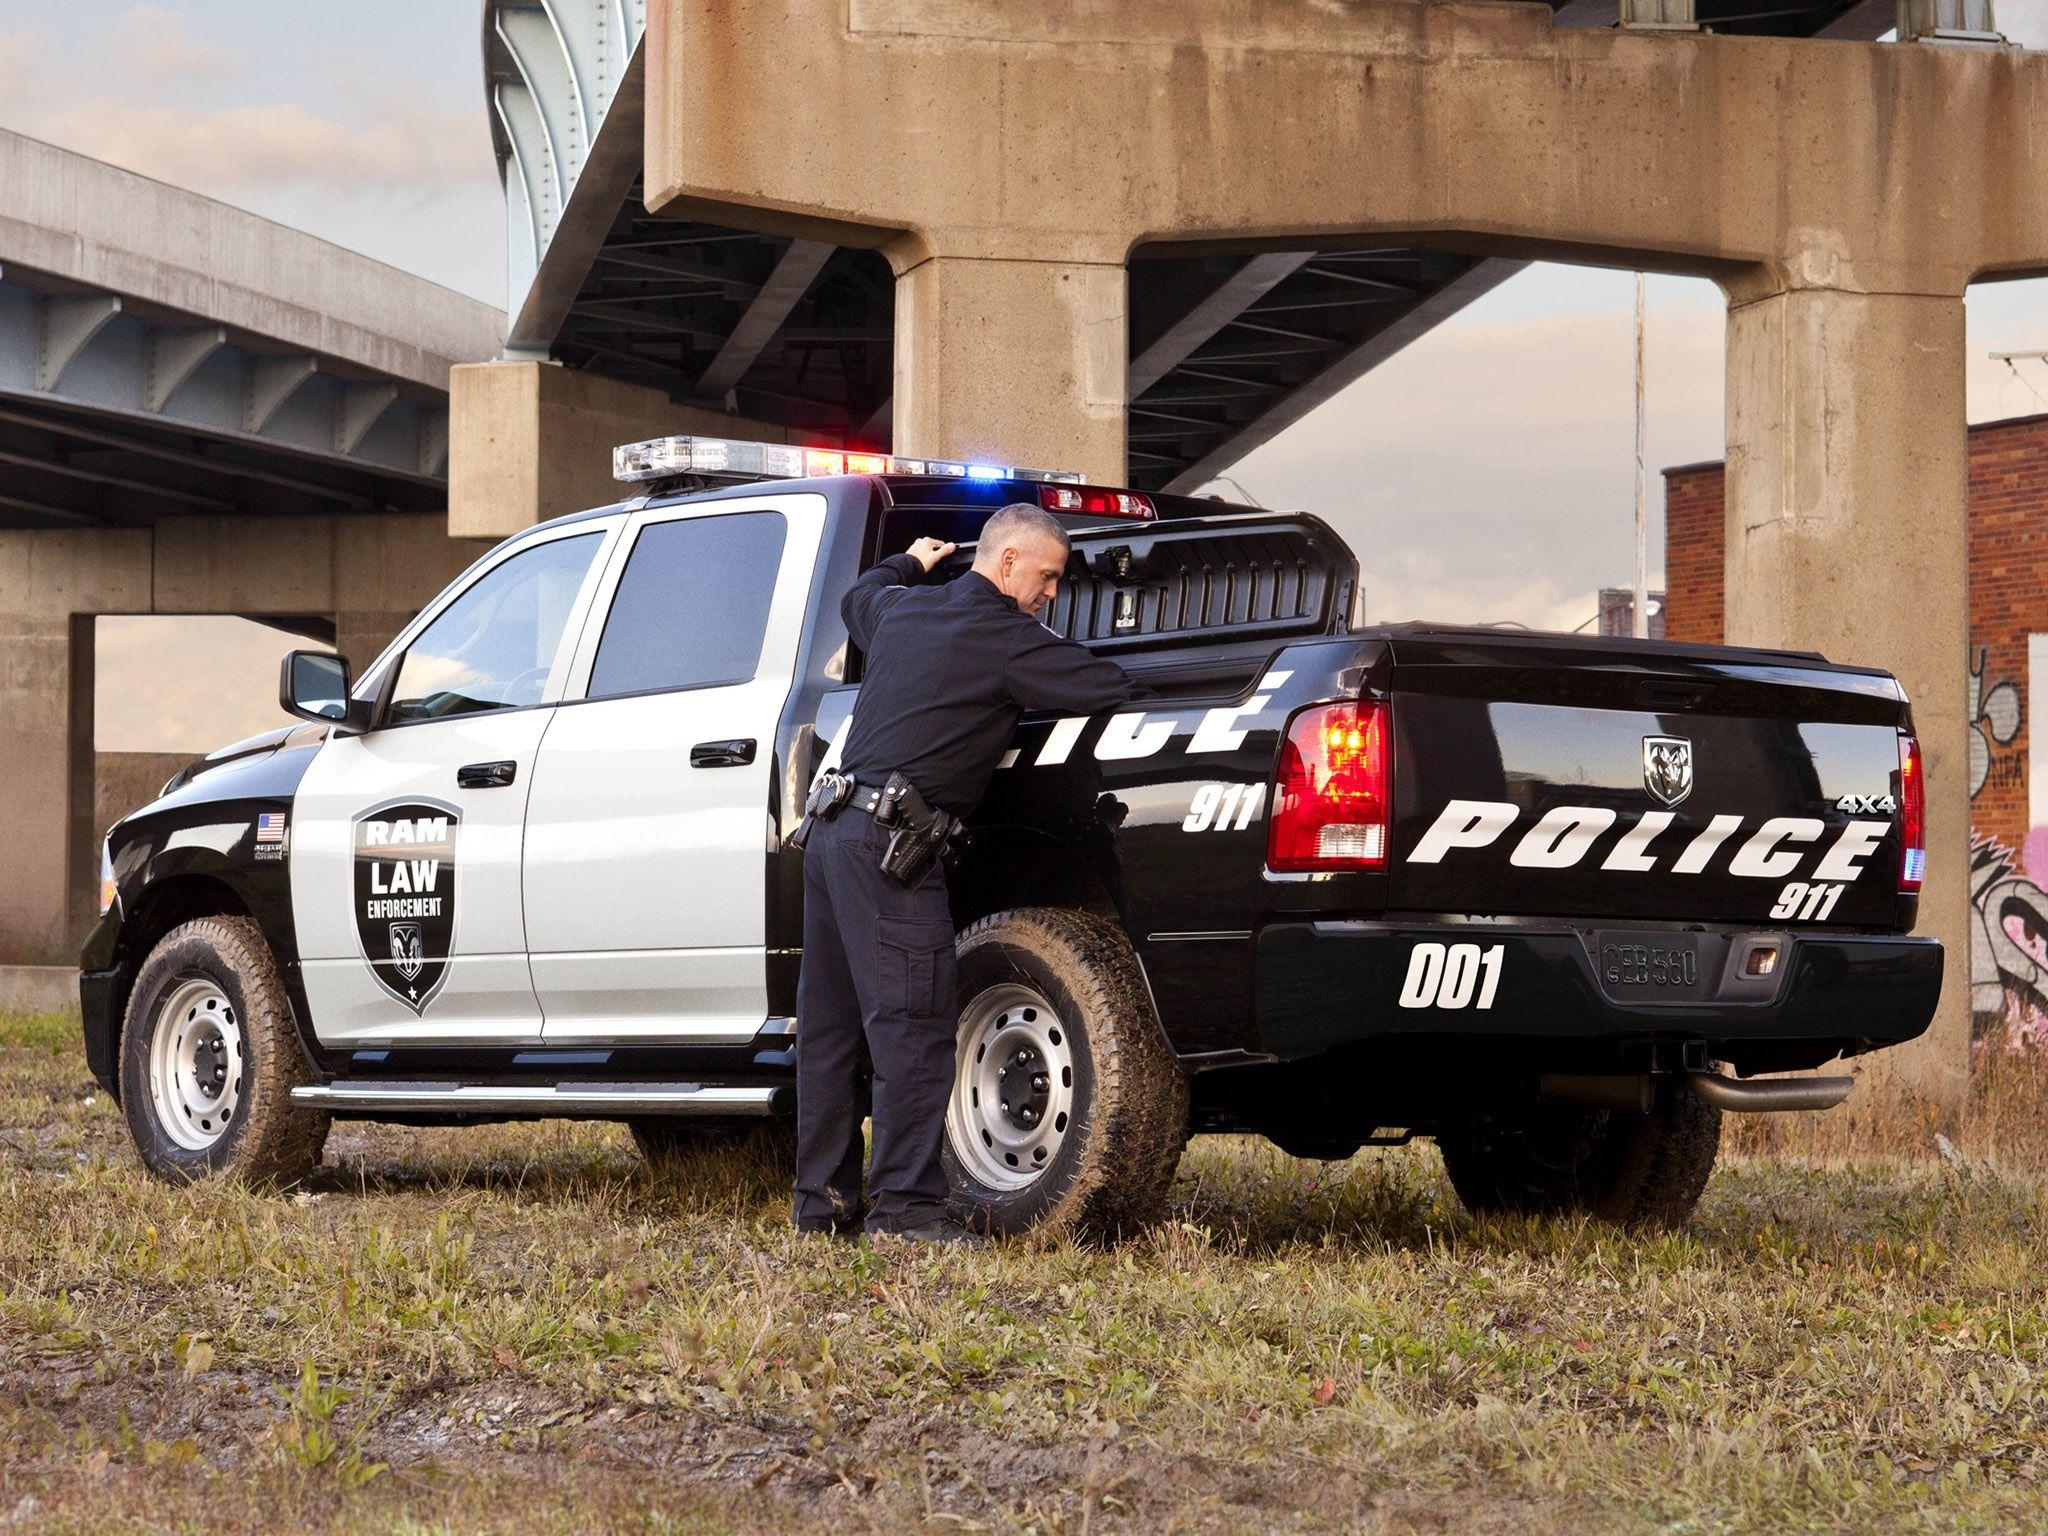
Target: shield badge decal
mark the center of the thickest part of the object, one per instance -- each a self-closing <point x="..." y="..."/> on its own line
<point x="1667" y="767"/>
<point x="403" y="873"/>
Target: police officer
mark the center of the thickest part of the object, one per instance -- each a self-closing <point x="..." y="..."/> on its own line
<point x="950" y="667"/>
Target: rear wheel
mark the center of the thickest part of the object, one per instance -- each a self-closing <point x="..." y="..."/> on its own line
<point x="1639" y="1170"/>
<point x="1068" y="1110"/>
<point x="209" y="1057"/>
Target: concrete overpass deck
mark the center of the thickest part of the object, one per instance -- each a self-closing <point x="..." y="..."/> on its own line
<point x="1226" y="345"/>
<point x="163" y="354"/>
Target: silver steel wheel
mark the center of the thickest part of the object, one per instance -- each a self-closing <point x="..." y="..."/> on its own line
<point x="195" y="1064"/>
<point x="1013" y="1088"/>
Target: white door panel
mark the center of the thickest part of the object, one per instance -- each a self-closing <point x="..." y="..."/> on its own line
<point x="487" y="992"/>
<point x="645" y="876"/>
<point x="406" y="884"/>
<point x="717" y="996"/>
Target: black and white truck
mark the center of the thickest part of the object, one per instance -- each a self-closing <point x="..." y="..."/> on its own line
<point x="1552" y="901"/>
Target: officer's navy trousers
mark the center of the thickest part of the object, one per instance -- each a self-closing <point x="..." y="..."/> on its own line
<point x="876" y="987"/>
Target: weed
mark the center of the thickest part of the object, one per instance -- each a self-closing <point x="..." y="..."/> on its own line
<point x="309" y="1438"/>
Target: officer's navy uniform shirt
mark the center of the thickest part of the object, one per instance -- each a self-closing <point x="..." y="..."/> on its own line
<point x="950" y="667"/>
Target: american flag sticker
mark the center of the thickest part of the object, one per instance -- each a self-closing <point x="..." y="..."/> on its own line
<point x="270" y="828"/>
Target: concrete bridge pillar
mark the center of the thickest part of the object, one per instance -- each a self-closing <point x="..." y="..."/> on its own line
<point x="50" y="582"/>
<point x="1013" y="362"/>
<point x="1847" y="480"/>
<point x="530" y="441"/>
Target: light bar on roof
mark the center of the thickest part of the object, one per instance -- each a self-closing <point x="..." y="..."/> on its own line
<point x="1095" y="501"/>
<point x="724" y="458"/>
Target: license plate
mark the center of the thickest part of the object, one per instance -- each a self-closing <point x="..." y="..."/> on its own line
<point x="1650" y="967"/>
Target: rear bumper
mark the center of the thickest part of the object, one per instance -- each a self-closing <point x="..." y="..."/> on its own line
<point x="1318" y="985"/>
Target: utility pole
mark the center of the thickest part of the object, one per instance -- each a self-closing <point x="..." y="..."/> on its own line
<point x="1642" y="604"/>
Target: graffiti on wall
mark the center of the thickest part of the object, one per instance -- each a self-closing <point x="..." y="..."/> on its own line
<point x="1995" y="717"/>
<point x="2008" y="951"/>
<point x="2009" y="946"/>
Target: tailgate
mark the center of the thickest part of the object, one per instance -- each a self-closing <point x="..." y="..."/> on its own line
<point x="1544" y="776"/>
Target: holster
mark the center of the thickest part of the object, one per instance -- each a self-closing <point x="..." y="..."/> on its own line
<point x="828" y="798"/>
<point x="919" y="831"/>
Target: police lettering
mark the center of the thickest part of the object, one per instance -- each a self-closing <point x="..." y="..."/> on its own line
<point x="1567" y="833"/>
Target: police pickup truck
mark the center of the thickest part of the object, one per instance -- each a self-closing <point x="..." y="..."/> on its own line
<point x="1552" y="901"/>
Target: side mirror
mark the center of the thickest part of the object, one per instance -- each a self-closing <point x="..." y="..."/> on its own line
<point x="314" y="686"/>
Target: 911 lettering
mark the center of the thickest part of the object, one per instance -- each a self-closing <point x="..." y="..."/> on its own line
<point x="1219" y="807"/>
<point x="1807" y="903"/>
<point x="1565" y="834"/>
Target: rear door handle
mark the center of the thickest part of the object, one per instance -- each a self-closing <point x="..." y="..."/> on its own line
<point x="722" y="754"/>
<point x="485" y="775"/>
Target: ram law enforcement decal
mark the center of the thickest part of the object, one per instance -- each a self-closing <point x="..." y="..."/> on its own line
<point x="1667" y="767"/>
<point x="404" y="874"/>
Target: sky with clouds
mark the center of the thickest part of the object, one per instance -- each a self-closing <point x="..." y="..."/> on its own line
<point x="1485" y="473"/>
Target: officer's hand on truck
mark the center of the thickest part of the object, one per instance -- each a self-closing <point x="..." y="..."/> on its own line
<point x="929" y="552"/>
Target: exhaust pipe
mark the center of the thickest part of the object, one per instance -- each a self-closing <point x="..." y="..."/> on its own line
<point x="1768" y="1095"/>
<point x="1636" y="1093"/>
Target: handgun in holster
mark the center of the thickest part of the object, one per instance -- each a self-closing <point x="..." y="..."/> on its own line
<point x="828" y="798"/>
<point x="918" y="831"/>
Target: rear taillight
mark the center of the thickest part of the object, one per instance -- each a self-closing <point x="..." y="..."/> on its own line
<point x="1334" y="787"/>
<point x="1912" y="817"/>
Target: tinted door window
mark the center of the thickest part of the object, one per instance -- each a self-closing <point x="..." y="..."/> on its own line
<point x="692" y="605"/>
<point x="493" y="646"/>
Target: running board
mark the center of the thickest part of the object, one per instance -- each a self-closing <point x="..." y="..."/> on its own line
<point x="578" y="1099"/>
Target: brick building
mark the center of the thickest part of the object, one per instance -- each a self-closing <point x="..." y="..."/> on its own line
<point x="2008" y="660"/>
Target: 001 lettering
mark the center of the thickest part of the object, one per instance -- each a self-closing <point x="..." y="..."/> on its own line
<point x="1216" y="806"/>
<point x="1807" y="903"/>
<point x="1447" y="975"/>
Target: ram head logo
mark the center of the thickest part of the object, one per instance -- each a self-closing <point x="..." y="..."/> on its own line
<point x="1667" y="767"/>
<point x="407" y="952"/>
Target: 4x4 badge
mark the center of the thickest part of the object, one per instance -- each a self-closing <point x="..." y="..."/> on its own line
<point x="1667" y="767"/>
<point x="402" y="879"/>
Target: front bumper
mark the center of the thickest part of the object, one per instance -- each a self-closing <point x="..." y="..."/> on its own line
<point x="1323" y="984"/>
<point x="102" y="994"/>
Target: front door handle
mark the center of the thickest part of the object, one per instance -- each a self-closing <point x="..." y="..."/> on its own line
<point x="722" y="754"/>
<point x="485" y="775"/>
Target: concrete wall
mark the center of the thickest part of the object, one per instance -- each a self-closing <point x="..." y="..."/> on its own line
<point x="531" y="441"/>
<point x="366" y="574"/>
<point x="126" y="781"/>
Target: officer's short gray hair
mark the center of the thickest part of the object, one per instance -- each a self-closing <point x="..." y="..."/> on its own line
<point x="1018" y="522"/>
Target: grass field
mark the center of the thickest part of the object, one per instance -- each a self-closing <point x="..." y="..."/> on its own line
<point x="523" y="1329"/>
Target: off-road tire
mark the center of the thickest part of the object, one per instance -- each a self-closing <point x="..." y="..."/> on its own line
<point x="671" y="1143"/>
<point x="1636" y="1170"/>
<point x="268" y="1140"/>
<point x="1112" y="1173"/>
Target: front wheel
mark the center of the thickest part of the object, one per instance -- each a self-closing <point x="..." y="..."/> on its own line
<point x="1068" y="1111"/>
<point x="1638" y="1170"/>
<point x="209" y="1058"/>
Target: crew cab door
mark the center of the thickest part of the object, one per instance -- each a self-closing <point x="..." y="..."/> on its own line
<point x="406" y="839"/>
<point x="648" y="830"/>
